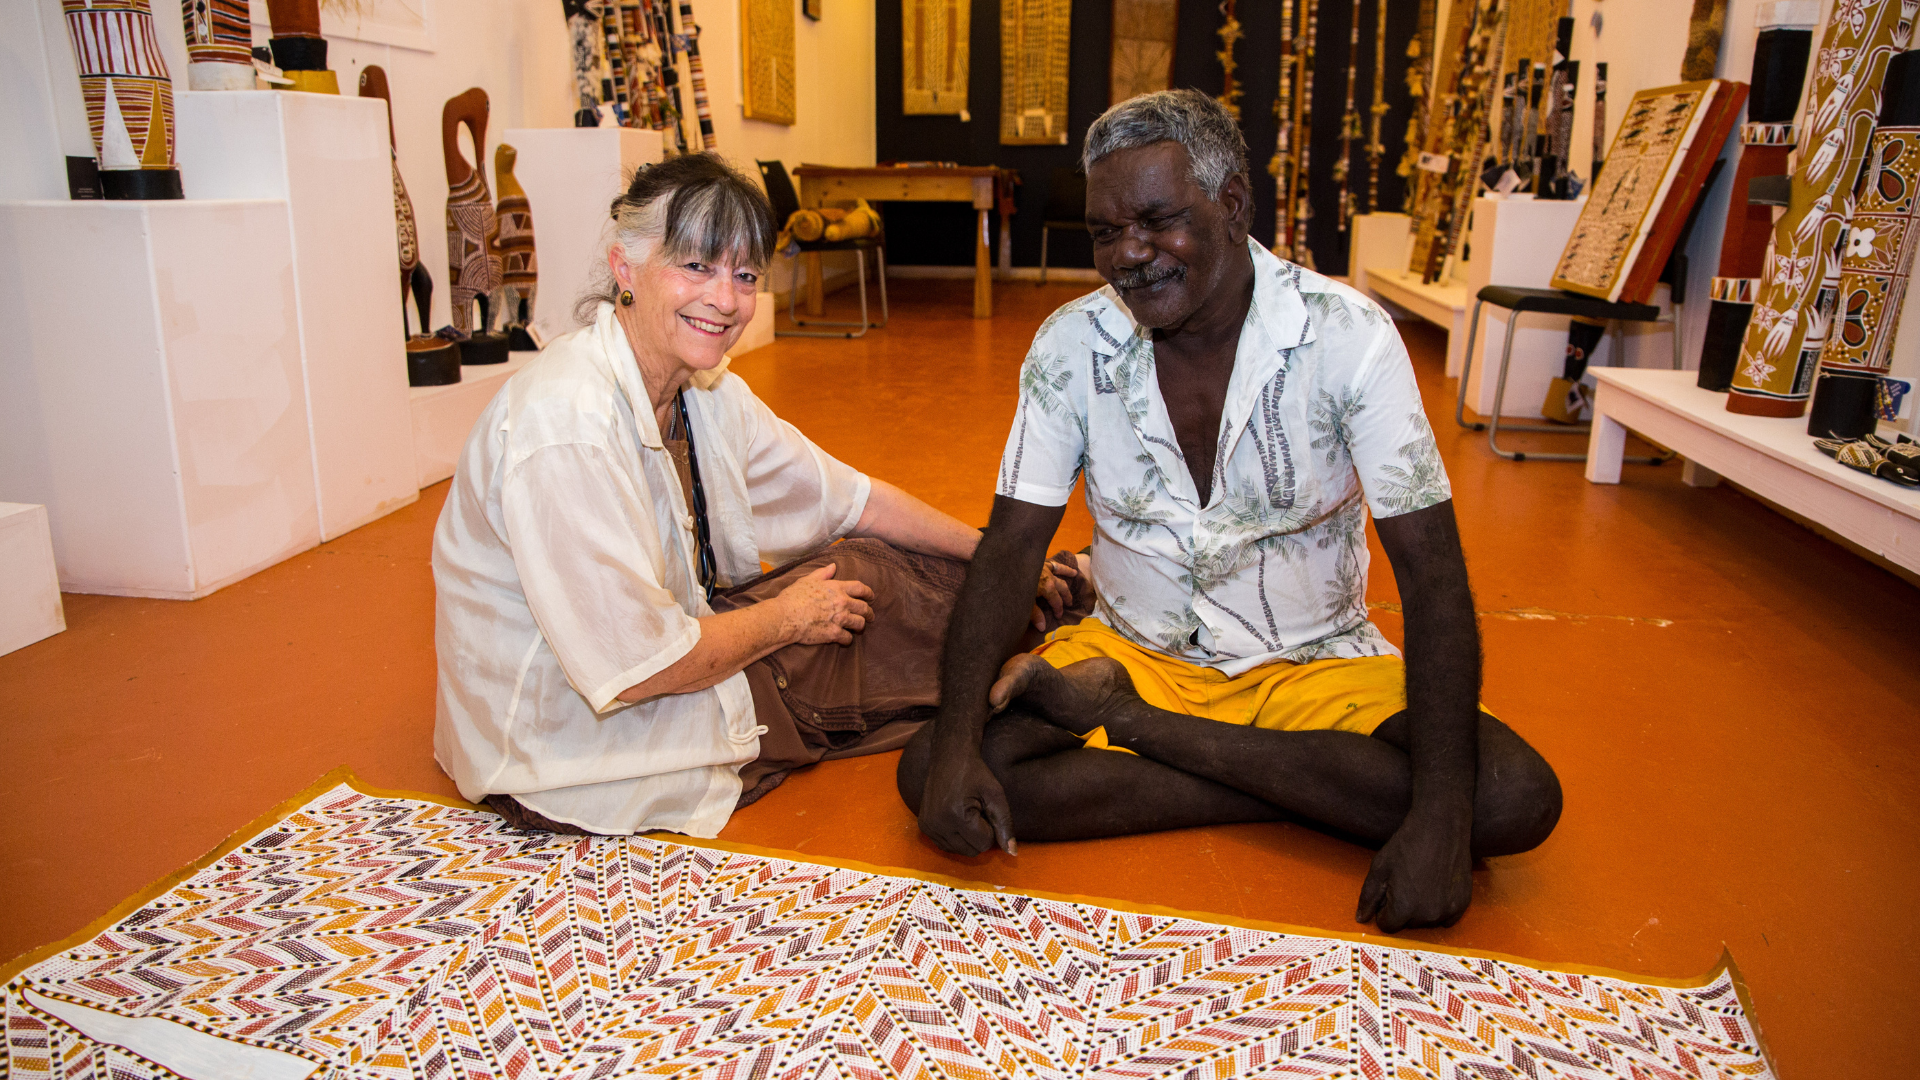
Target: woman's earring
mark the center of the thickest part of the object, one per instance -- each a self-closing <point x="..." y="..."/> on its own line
<point x="626" y="297"/>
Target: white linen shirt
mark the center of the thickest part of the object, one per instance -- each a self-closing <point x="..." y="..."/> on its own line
<point x="1322" y="419"/>
<point x="564" y="567"/>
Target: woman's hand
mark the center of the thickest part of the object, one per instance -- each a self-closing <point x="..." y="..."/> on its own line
<point x="819" y="609"/>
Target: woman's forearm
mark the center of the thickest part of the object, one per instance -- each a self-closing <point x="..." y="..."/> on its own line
<point x="728" y="642"/>
<point x="906" y="522"/>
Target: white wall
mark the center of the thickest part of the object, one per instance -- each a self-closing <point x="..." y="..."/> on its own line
<point x="516" y="50"/>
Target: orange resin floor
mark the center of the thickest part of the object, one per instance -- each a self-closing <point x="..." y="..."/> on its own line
<point x="1730" y="701"/>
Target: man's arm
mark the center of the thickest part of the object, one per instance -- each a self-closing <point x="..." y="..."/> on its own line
<point x="1421" y="876"/>
<point x="962" y="807"/>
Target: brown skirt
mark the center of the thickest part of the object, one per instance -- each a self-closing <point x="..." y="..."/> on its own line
<point x="835" y="701"/>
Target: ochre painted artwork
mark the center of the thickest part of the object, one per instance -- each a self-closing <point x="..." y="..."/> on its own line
<point x="1033" y="72"/>
<point x="1641" y="163"/>
<point x="766" y="54"/>
<point x="934" y="57"/>
<point x="375" y="936"/>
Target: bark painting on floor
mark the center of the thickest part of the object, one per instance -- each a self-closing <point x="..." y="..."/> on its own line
<point x="384" y="936"/>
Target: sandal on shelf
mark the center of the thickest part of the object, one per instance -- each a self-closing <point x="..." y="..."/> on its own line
<point x="1905" y="453"/>
<point x="1863" y="456"/>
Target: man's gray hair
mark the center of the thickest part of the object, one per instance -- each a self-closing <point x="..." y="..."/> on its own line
<point x="1216" y="151"/>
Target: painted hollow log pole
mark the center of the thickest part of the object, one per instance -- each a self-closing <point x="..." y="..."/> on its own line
<point x="583" y="31"/>
<point x="703" y="112"/>
<point x="298" y="49"/>
<point x="473" y="262"/>
<point x="128" y="96"/>
<point x="219" y="44"/>
<point x="616" y="86"/>
<point x="1779" y="68"/>
<point x="1874" y="264"/>
<point x="1788" y="330"/>
<point x="519" y="266"/>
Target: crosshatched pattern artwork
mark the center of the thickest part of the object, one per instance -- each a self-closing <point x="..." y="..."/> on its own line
<point x="934" y="56"/>
<point x="766" y="45"/>
<point x="1645" y="152"/>
<point x="389" y="937"/>
<point x="1878" y="255"/>
<point x="1033" y="72"/>
<point x="1144" y="32"/>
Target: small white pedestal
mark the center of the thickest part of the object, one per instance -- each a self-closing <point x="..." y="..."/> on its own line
<point x="443" y="416"/>
<point x="328" y="157"/>
<point x="1378" y="239"/>
<point x="1768" y="455"/>
<point x="152" y="398"/>
<point x="1517" y="241"/>
<point x="571" y="176"/>
<point x="29" y="586"/>
<point x="1442" y="303"/>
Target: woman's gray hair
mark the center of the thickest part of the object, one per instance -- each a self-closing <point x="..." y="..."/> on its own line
<point x="1216" y="151"/>
<point x="693" y="207"/>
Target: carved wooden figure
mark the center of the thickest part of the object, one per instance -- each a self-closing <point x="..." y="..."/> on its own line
<point x="128" y="95"/>
<point x="473" y="261"/>
<point x="431" y="361"/>
<point x="219" y="44"/>
<point x="519" y="267"/>
<point x="298" y="49"/>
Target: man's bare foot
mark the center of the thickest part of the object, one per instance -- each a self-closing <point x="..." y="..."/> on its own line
<point x="1078" y="697"/>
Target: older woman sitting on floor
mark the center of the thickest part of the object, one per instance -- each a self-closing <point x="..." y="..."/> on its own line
<point x="611" y="658"/>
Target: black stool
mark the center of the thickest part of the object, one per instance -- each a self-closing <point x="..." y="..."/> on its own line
<point x="780" y="193"/>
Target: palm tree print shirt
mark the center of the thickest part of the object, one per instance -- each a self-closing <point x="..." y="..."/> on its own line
<point x="1323" y="420"/>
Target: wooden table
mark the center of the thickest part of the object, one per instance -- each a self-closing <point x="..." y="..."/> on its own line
<point x="822" y="184"/>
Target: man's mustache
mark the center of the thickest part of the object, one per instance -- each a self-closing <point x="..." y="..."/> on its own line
<point x="1147" y="276"/>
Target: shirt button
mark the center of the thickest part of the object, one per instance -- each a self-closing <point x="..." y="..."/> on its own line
<point x="780" y="681"/>
<point x="687" y="521"/>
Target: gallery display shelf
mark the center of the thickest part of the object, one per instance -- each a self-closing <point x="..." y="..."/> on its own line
<point x="1771" y="456"/>
<point x="1442" y="303"/>
<point x="444" y="415"/>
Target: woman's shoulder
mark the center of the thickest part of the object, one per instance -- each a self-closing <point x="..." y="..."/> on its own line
<point x="569" y="392"/>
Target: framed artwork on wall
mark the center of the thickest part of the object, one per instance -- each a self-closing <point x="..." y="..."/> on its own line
<point x="766" y="56"/>
<point x="933" y="44"/>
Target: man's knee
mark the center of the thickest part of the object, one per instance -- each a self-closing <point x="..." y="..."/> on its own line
<point x="1519" y="800"/>
<point x="911" y="776"/>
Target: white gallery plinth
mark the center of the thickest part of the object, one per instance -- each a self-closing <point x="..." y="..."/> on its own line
<point x="327" y="157"/>
<point x="571" y="176"/>
<point x="30" y="608"/>
<point x="443" y="416"/>
<point x="153" y="397"/>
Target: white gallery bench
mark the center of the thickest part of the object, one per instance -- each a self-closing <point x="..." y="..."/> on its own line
<point x="1770" y="456"/>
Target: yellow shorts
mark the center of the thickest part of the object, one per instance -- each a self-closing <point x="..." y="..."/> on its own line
<point x="1325" y="695"/>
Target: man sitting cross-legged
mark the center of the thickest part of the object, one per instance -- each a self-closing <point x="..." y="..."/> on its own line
<point x="1234" y="417"/>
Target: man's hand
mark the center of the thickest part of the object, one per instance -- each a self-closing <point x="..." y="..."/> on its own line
<point x="1066" y="592"/>
<point x="1422" y="875"/>
<point x="963" y="808"/>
